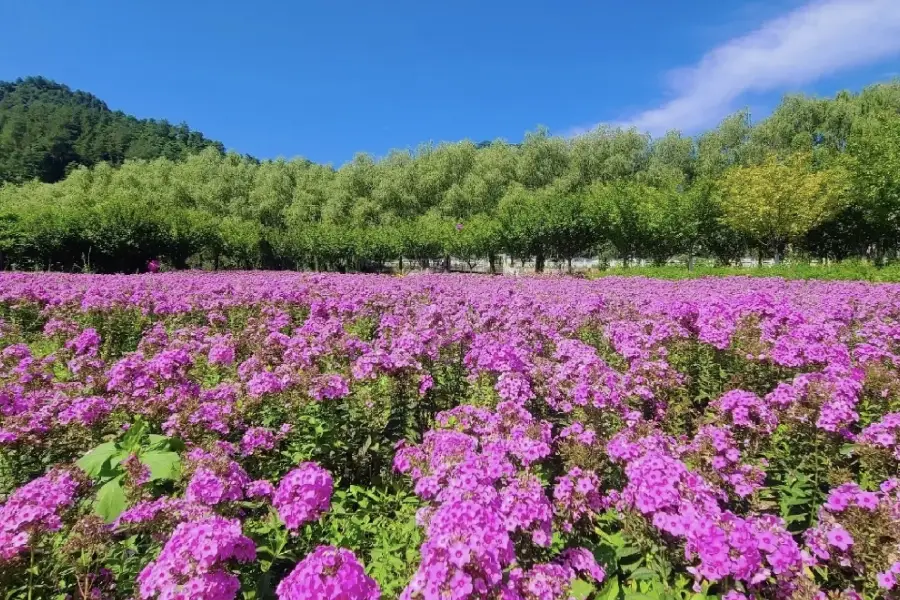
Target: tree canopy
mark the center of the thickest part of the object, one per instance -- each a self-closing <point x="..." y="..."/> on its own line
<point x="46" y="130"/>
<point x="820" y="177"/>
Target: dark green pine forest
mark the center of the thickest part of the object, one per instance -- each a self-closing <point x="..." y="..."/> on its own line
<point x="46" y="130"/>
<point x="85" y="188"/>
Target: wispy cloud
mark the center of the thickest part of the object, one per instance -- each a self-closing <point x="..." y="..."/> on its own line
<point x="816" y="40"/>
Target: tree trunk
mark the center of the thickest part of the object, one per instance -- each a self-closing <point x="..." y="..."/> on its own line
<point x="492" y="267"/>
<point x="539" y="263"/>
<point x="759" y="256"/>
<point x="446" y="263"/>
<point x="569" y="264"/>
<point x="779" y="252"/>
<point x="400" y="265"/>
<point x="690" y="259"/>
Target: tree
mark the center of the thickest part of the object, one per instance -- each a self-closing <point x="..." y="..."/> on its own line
<point x="619" y="212"/>
<point x="46" y="130"/>
<point x="522" y="218"/>
<point x="567" y="228"/>
<point x="127" y="190"/>
<point x="474" y="239"/>
<point x="874" y="155"/>
<point x="778" y="201"/>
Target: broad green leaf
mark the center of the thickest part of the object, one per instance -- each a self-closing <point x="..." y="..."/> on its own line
<point x="642" y="574"/>
<point x="132" y="438"/>
<point x="92" y="462"/>
<point x="626" y="551"/>
<point x="162" y="465"/>
<point x="110" y="500"/>
<point x="581" y="589"/>
<point x="161" y="442"/>
<point x="610" y="591"/>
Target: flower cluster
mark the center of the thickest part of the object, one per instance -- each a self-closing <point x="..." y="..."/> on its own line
<point x="303" y="495"/>
<point x="885" y="434"/>
<point x="194" y="562"/>
<point x="217" y="478"/>
<point x="34" y="509"/>
<point x="860" y="530"/>
<point x="526" y="416"/>
<point x="328" y="573"/>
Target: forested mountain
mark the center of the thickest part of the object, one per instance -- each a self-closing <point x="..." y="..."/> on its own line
<point x="46" y="130"/>
<point x="819" y="177"/>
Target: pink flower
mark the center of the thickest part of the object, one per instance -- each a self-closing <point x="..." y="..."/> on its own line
<point x="303" y="495"/>
<point x="328" y="573"/>
<point x="886" y="580"/>
<point x="194" y="562"/>
<point x="840" y="538"/>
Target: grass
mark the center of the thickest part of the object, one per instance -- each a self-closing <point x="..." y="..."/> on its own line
<point x="844" y="271"/>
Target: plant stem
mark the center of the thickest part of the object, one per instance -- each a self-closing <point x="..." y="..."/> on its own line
<point x="30" y="571"/>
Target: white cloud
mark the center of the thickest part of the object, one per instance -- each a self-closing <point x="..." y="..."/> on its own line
<point x="818" y="39"/>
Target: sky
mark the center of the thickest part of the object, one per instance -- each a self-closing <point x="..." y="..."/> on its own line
<point x="326" y="79"/>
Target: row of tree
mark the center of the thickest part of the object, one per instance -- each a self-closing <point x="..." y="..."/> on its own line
<point x="819" y="177"/>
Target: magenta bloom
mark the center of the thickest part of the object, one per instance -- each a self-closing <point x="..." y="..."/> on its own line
<point x="329" y="387"/>
<point x="840" y="538"/>
<point x="33" y="509"/>
<point x="886" y="580"/>
<point x="328" y="573"/>
<point x="303" y="495"/>
<point x="193" y="563"/>
<point x="210" y="487"/>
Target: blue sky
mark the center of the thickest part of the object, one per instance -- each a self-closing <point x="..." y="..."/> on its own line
<point x="327" y="79"/>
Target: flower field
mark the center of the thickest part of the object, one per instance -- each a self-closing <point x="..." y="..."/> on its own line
<point x="291" y="436"/>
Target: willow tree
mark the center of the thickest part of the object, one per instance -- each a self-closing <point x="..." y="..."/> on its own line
<point x="874" y="161"/>
<point x="778" y="201"/>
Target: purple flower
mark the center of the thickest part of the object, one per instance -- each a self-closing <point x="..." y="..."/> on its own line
<point x="303" y="495"/>
<point x="886" y="580"/>
<point x="328" y="573"/>
<point x="194" y="561"/>
<point x="33" y="509"/>
<point x="329" y="387"/>
<point x="840" y="538"/>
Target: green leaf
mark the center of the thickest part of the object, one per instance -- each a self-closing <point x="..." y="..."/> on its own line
<point x="581" y="589"/>
<point x="626" y="551"/>
<point x="610" y="590"/>
<point x="162" y="465"/>
<point x="132" y="439"/>
<point x="110" y="500"/>
<point x="161" y="442"/>
<point x="92" y="463"/>
<point x="848" y="449"/>
<point x="642" y="574"/>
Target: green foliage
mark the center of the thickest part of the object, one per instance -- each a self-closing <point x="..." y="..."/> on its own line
<point x="46" y="129"/>
<point x="381" y="525"/>
<point x="779" y="201"/>
<point x="848" y="270"/>
<point x="819" y="178"/>
<point x="104" y="465"/>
